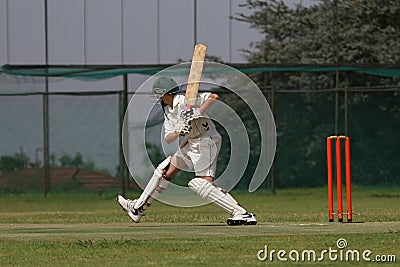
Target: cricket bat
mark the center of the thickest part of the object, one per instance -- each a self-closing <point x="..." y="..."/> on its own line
<point x="196" y="70"/>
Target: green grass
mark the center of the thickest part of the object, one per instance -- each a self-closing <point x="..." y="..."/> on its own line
<point x="87" y="230"/>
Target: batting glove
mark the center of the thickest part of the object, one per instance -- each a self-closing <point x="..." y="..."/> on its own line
<point x="191" y="114"/>
<point x="182" y="127"/>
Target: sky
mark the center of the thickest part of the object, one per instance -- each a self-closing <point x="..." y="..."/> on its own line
<point x="122" y="31"/>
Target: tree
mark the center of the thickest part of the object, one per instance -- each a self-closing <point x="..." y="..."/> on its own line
<point x="76" y="161"/>
<point x="12" y="163"/>
<point x="364" y="32"/>
<point x="328" y="32"/>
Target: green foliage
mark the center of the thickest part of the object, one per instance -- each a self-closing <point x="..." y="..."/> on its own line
<point x="247" y="117"/>
<point x="155" y="153"/>
<point x="12" y="163"/>
<point x="360" y="32"/>
<point x="329" y="32"/>
<point x="76" y="161"/>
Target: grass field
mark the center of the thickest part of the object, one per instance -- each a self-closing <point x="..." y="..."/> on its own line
<point x="87" y="230"/>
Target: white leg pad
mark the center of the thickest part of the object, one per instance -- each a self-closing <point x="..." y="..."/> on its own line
<point x="210" y="192"/>
<point x="157" y="192"/>
<point x="155" y="186"/>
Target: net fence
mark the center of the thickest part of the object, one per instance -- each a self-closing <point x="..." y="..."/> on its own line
<point x="86" y="106"/>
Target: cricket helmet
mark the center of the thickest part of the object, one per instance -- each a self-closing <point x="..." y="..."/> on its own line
<point x="165" y="85"/>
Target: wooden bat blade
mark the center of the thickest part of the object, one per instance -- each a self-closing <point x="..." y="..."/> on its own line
<point x="196" y="70"/>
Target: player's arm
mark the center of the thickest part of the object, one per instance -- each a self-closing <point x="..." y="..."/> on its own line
<point x="174" y="131"/>
<point x="171" y="137"/>
<point x="212" y="98"/>
<point x="195" y="113"/>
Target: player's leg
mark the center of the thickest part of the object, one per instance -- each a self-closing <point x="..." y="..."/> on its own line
<point x="205" y="164"/>
<point x="169" y="172"/>
<point x="207" y="191"/>
<point x="157" y="184"/>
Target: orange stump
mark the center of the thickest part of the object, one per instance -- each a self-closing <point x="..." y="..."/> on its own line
<point x="348" y="181"/>
<point x="339" y="181"/>
<point x="330" y="178"/>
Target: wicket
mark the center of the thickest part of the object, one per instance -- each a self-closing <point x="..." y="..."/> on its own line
<point x="340" y="213"/>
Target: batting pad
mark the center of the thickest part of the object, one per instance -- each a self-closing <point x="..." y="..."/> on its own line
<point x="210" y="192"/>
<point x="155" y="186"/>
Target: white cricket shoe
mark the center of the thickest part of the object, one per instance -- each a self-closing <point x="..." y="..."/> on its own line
<point x="128" y="206"/>
<point x="125" y="203"/>
<point x="246" y="219"/>
<point x="136" y="215"/>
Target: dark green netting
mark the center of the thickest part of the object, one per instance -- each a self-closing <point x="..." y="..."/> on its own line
<point x="76" y="72"/>
<point x="93" y="72"/>
<point x="310" y="102"/>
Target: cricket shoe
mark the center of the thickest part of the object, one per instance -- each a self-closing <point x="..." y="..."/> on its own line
<point x="136" y="215"/>
<point x="240" y="219"/>
<point x="128" y="206"/>
<point x="125" y="203"/>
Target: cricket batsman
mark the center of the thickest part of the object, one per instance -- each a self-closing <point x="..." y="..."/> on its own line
<point x="199" y="152"/>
